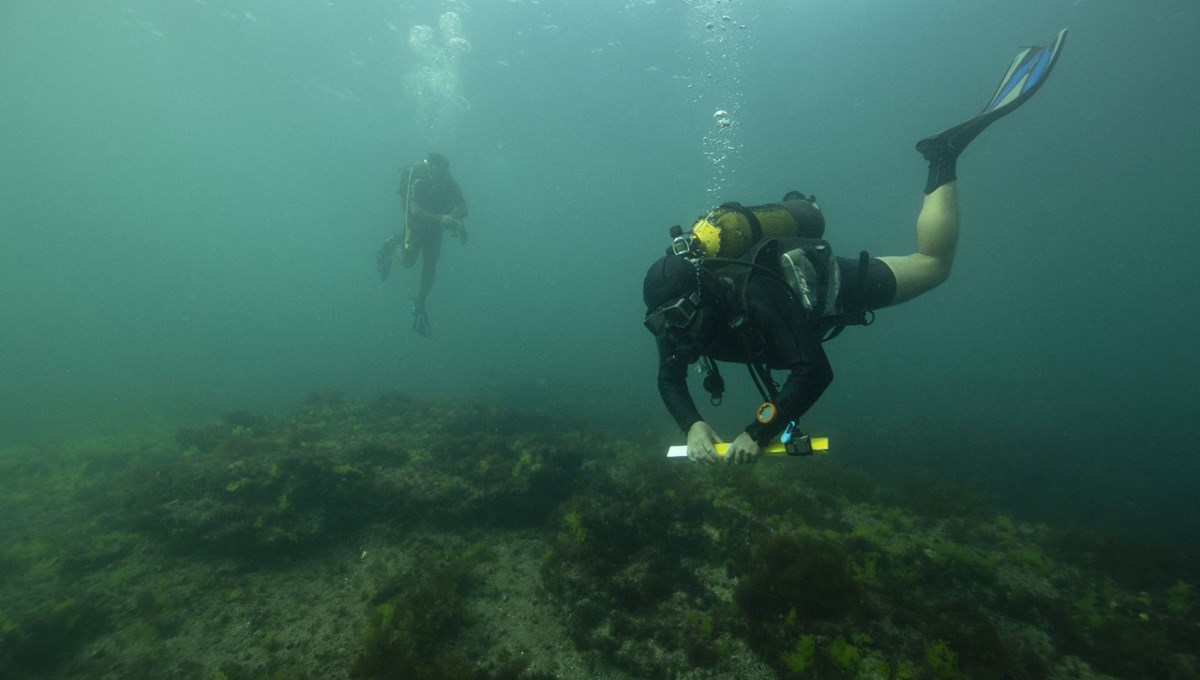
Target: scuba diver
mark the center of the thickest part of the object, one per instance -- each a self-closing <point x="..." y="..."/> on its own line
<point x="757" y="285"/>
<point x="433" y="203"/>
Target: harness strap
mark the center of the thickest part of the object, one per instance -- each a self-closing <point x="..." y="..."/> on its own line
<point x="768" y="389"/>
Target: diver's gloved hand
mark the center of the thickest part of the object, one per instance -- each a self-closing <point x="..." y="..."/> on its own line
<point x="700" y="440"/>
<point x="420" y="320"/>
<point x="743" y="450"/>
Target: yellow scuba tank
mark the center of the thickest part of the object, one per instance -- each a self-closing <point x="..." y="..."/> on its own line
<point x="732" y="229"/>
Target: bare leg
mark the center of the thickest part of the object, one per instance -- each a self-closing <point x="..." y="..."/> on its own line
<point x="937" y="225"/>
<point x="937" y="238"/>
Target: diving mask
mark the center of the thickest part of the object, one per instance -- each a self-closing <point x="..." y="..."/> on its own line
<point x="678" y="314"/>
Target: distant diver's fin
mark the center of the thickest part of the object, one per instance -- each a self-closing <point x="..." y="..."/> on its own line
<point x="1028" y="71"/>
<point x="384" y="257"/>
<point x="420" y="320"/>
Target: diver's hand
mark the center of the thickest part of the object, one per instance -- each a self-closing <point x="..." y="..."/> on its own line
<point x="743" y="450"/>
<point x="453" y="225"/>
<point x="700" y="440"/>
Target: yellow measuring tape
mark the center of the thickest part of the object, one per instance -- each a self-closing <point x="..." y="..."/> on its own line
<point x="820" y="446"/>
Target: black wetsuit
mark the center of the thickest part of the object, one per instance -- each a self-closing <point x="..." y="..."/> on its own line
<point x="776" y="333"/>
<point x="436" y="191"/>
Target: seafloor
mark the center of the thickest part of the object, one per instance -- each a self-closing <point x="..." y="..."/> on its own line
<point x="409" y="539"/>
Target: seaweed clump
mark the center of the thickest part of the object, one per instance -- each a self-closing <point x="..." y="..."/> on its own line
<point x="255" y="495"/>
<point x="410" y="635"/>
<point x="628" y="556"/>
<point x="796" y="578"/>
<point x="43" y="640"/>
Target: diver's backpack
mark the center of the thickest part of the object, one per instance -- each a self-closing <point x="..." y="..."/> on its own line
<point x="783" y="240"/>
<point x="811" y="275"/>
<point x="805" y="266"/>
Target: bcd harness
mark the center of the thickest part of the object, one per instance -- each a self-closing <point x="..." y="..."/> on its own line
<point x="809" y="274"/>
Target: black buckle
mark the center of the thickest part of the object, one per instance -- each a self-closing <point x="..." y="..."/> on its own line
<point x="799" y="444"/>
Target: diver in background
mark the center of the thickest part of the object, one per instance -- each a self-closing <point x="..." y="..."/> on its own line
<point x="433" y="203"/>
<point x="722" y="293"/>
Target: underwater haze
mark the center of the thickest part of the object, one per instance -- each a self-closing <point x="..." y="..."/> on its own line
<point x="192" y="194"/>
